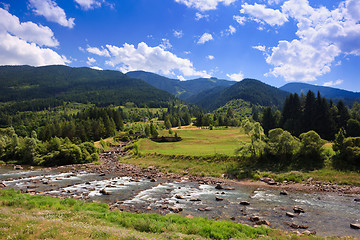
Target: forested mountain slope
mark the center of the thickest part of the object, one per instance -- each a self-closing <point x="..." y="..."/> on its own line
<point x="19" y="83"/>
<point x="335" y="94"/>
<point x="251" y="90"/>
<point x="181" y="89"/>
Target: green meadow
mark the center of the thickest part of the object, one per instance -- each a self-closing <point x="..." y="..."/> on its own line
<point x="198" y="142"/>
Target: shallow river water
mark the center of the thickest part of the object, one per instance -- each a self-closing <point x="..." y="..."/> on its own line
<point x="329" y="214"/>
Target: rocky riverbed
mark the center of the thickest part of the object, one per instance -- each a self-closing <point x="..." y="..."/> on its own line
<point x="313" y="207"/>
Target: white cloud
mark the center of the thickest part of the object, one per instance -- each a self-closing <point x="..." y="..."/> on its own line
<point x="96" y="68"/>
<point x="152" y="59"/>
<point x="27" y="31"/>
<point x="52" y="12"/>
<point x="261" y="13"/>
<point x="180" y="77"/>
<point x="210" y="57"/>
<point x="16" y="51"/>
<point x="231" y="30"/>
<point x="21" y="43"/>
<point x="94" y="50"/>
<point x="204" y="5"/>
<point x="205" y="38"/>
<point x="331" y="83"/>
<point x="236" y="76"/>
<point x="240" y="19"/>
<point x="90" y="61"/>
<point x="178" y="34"/>
<point x="199" y="16"/>
<point x="323" y="36"/>
<point x="260" y="48"/>
<point x="88" y="4"/>
<point x="165" y="44"/>
<point x="300" y="61"/>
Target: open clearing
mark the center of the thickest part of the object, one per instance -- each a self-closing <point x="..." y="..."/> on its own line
<point x="198" y="142"/>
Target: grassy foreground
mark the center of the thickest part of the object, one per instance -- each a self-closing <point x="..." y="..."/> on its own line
<point x="23" y="216"/>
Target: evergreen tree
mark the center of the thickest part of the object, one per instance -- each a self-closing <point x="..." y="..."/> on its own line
<point x="268" y="120"/>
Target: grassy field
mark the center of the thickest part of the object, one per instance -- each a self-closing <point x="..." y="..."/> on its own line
<point x="37" y="217"/>
<point x="198" y="142"/>
<point x="205" y="152"/>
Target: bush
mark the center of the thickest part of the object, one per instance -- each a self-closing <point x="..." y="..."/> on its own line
<point x="311" y="154"/>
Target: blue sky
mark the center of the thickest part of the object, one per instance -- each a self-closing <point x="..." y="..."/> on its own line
<point x="275" y="41"/>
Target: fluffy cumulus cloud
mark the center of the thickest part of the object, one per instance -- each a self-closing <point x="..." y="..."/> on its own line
<point x="88" y="4"/>
<point x="205" y="38"/>
<point x="240" y="19"/>
<point x="52" y="12"/>
<point x="152" y="59"/>
<point x="322" y="36"/>
<point x="97" y="51"/>
<point x="236" y="76"/>
<point x="204" y="5"/>
<point x="332" y="83"/>
<point x="23" y="43"/>
<point x="27" y="31"/>
<point x="260" y="13"/>
<point x="96" y="68"/>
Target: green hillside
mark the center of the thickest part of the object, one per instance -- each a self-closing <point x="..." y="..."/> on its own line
<point x="335" y="94"/>
<point x="249" y="90"/>
<point x="85" y="85"/>
<point x="181" y="89"/>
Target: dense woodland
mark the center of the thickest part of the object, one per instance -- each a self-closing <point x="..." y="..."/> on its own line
<point x="304" y="113"/>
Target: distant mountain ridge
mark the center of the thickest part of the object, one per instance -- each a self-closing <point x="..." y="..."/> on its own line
<point x="181" y="89"/>
<point x="22" y="83"/>
<point x="250" y="90"/>
<point x="328" y="92"/>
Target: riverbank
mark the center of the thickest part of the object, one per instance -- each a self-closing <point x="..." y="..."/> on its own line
<point x="128" y="187"/>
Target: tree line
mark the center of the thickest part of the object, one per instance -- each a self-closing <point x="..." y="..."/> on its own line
<point x="280" y="150"/>
<point x="304" y="113"/>
<point x="56" y="151"/>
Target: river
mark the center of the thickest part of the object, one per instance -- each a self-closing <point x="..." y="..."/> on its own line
<point x="329" y="214"/>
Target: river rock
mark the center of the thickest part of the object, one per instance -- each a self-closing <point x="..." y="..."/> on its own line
<point x="307" y="232"/>
<point x="229" y="188"/>
<point x="164" y="206"/>
<point x="357" y="199"/>
<point x="303" y="226"/>
<point x="189" y="216"/>
<point x="195" y="199"/>
<point x="290" y="214"/>
<point x="175" y="209"/>
<point x="298" y="209"/>
<point x="355" y="225"/>
<point x="18" y="167"/>
<point x="245" y="203"/>
<point x="284" y="192"/>
<point x="218" y="186"/>
<point x="179" y="197"/>
<point x="254" y="218"/>
<point x="31" y="186"/>
<point x="104" y="192"/>
<point x="219" y="199"/>
<point x="263" y="222"/>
